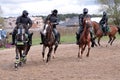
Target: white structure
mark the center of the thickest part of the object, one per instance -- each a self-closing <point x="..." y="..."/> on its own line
<point x="97" y="19"/>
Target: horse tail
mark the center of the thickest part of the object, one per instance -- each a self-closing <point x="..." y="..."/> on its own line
<point x="118" y="29"/>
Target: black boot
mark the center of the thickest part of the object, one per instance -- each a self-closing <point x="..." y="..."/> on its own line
<point x="77" y="38"/>
<point x="92" y="40"/>
<point x="13" y="39"/>
<point x="41" y="38"/>
<point x="56" y="39"/>
<point x="104" y="32"/>
<point x="30" y="39"/>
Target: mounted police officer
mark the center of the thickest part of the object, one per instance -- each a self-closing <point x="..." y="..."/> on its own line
<point x="104" y="22"/>
<point x="53" y="18"/>
<point x="80" y="30"/>
<point x="23" y="19"/>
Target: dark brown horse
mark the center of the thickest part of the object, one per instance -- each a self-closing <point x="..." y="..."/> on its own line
<point x="49" y="41"/>
<point x="85" y="37"/>
<point x="21" y="45"/>
<point x="111" y="33"/>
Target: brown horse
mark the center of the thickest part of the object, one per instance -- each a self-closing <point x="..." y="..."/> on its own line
<point x="85" y="38"/>
<point x="49" y="41"/>
<point x="99" y="33"/>
<point x="21" y="45"/>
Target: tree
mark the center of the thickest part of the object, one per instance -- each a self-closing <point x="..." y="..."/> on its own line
<point x="112" y="7"/>
<point x="1" y="18"/>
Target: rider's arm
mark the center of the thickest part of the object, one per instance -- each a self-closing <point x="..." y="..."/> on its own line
<point x="80" y="19"/>
<point x="30" y="23"/>
<point x="18" y="21"/>
<point x="56" y="22"/>
<point x="48" y="18"/>
<point x="106" y="20"/>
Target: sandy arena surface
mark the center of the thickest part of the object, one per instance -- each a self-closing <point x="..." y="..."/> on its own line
<point x="102" y="64"/>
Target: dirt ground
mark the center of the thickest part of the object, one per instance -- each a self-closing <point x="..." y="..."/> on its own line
<point x="103" y="64"/>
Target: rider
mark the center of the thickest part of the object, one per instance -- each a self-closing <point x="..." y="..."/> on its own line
<point x="104" y="22"/>
<point x="54" y="19"/>
<point x="80" y="30"/>
<point x="24" y="19"/>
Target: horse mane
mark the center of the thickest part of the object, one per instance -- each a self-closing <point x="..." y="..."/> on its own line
<point x="85" y="32"/>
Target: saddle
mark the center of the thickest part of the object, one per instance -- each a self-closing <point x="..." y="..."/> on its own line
<point x="105" y="28"/>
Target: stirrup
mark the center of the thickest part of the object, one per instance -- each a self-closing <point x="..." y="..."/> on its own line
<point x="41" y="43"/>
<point x="77" y="43"/>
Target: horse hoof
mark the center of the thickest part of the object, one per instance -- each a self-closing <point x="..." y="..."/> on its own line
<point x="20" y="64"/>
<point x="43" y="59"/>
<point x="16" y="66"/>
<point x="24" y="61"/>
<point x="87" y="55"/>
<point x="16" y="69"/>
<point x="53" y="56"/>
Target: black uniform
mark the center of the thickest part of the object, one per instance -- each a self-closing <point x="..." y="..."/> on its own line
<point x="104" y="22"/>
<point x="53" y="18"/>
<point x="24" y="20"/>
<point x="80" y="30"/>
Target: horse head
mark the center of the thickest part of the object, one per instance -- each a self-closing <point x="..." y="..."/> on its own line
<point x="21" y="35"/>
<point x="87" y="22"/>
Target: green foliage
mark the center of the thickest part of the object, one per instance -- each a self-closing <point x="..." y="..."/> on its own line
<point x="68" y="39"/>
<point x="1" y="19"/>
<point x="64" y="39"/>
<point x="113" y="9"/>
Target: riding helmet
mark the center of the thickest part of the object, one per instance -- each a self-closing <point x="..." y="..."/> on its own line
<point x="25" y="13"/>
<point x="85" y="11"/>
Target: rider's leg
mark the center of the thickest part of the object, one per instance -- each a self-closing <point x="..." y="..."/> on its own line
<point x="42" y="33"/>
<point x="30" y="38"/>
<point x="106" y="28"/>
<point x="56" y="35"/>
<point x="78" y="34"/>
<point x="92" y="38"/>
<point x="42" y="38"/>
<point x="13" y="36"/>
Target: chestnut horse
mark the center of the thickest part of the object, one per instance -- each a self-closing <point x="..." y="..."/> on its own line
<point x="85" y="37"/>
<point x="49" y="41"/>
<point x="99" y="33"/>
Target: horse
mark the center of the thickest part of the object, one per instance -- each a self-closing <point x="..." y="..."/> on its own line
<point x="49" y="41"/>
<point x="85" y="37"/>
<point x="111" y="33"/>
<point x="22" y="44"/>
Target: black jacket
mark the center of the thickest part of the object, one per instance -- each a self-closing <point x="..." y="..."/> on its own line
<point x="24" y="20"/>
<point x="81" y="17"/>
<point x="104" y="20"/>
<point x="53" y="19"/>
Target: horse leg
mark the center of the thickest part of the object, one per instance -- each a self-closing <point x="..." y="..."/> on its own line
<point x="84" y="47"/>
<point x="56" y="46"/>
<point x="88" y="50"/>
<point x="112" y="40"/>
<point x="95" y="41"/>
<point x="79" y="52"/>
<point x="17" y="58"/>
<point x="21" y="58"/>
<point x="49" y="54"/>
<point x="24" y="56"/>
<point x="27" y="49"/>
<point x="43" y="53"/>
<point x="99" y="38"/>
<point x="82" y="50"/>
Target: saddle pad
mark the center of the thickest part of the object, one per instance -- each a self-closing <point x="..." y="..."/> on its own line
<point x="19" y="43"/>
